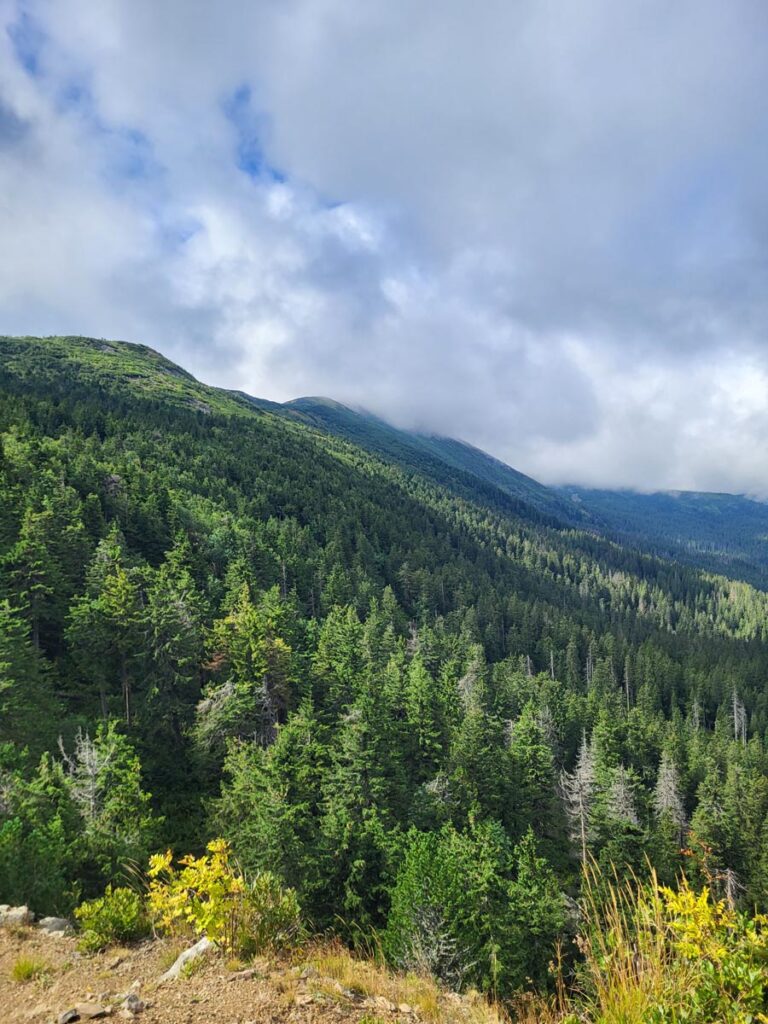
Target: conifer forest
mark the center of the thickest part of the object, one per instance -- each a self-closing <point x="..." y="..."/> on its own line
<point x="428" y="705"/>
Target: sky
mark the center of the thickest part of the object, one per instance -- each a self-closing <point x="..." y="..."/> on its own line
<point x="538" y="225"/>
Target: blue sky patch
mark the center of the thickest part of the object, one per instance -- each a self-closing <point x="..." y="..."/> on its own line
<point x="252" y="129"/>
<point x="27" y="39"/>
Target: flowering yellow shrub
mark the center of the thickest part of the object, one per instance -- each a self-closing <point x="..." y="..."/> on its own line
<point x="210" y="896"/>
<point x="658" y="955"/>
<point x="728" y="952"/>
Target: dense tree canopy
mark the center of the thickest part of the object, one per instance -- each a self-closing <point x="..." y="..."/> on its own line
<point x="421" y="709"/>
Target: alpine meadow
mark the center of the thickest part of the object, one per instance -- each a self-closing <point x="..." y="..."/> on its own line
<point x="426" y="710"/>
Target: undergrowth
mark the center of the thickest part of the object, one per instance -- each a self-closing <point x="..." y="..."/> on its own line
<point x="651" y="954"/>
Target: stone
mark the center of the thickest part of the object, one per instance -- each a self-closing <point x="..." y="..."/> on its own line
<point x="11" y="916"/>
<point x="309" y="972"/>
<point x="304" y="999"/>
<point x="405" y="1008"/>
<point x="84" y="1011"/>
<point x="384" y="1004"/>
<point x="54" y="925"/>
<point x="249" y="972"/>
<point x="133" y="1003"/>
<point x="131" y="1006"/>
<point x="199" y="949"/>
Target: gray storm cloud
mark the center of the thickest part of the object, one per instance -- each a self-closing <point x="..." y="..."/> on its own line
<point x="539" y="226"/>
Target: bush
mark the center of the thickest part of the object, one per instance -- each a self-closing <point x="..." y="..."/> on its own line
<point x="117" y="916"/>
<point x="725" y="954"/>
<point x="210" y="896"/>
<point x="657" y="955"/>
<point x="469" y="909"/>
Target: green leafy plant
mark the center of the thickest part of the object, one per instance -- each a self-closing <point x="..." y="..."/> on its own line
<point x="210" y="896"/>
<point x="117" y="916"/>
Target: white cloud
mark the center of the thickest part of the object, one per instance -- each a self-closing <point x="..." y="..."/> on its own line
<point x="539" y="226"/>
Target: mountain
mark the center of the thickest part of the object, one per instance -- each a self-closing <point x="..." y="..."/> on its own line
<point x="724" y="533"/>
<point x="444" y="459"/>
<point x="381" y="670"/>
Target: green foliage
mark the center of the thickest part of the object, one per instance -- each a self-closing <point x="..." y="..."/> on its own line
<point x="466" y="908"/>
<point x="28" y="968"/>
<point x="659" y="955"/>
<point x="74" y="823"/>
<point x="117" y="916"/>
<point x="211" y="896"/>
<point x="27" y="704"/>
<point x="376" y="665"/>
<point x="271" y="806"/>
<point x="39" y="839"/>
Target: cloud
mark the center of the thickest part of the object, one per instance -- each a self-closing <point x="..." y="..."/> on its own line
<point x="537" y="226"/>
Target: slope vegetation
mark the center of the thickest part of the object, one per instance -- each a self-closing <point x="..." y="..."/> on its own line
<point x="412" y="699"/>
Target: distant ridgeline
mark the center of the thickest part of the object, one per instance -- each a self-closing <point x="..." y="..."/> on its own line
<point x="416" y="684"/>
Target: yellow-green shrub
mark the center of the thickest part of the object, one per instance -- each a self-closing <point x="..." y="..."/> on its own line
<point x="656" y="955"/>
<point x="117" y="916"/>
<point x="210" y="896"/>
<point x="724" y="954"/>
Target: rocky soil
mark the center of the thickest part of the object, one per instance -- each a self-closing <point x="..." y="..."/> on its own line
<point x="125" y="984"/>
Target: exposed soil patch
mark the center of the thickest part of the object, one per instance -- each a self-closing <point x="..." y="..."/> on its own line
<point x="262" y="992"/>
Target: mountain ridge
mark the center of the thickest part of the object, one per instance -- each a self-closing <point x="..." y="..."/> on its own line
<point x="719" y="532"/>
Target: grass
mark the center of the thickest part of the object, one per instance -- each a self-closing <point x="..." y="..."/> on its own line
<point x="627" y="967"/>
<point x="192" y="967"/>
<point x="651" y="953"/>
<point x="422" y="994"/>
<point x="170" y="955"/>
<point x="28" y="968"/>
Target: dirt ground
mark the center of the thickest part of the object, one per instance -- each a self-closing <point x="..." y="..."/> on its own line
<point x="268" y="992"/>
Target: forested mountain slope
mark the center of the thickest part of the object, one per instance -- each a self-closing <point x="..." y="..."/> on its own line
<point x="722" y="533"/>
<point x="444" y="459"/>
<point x="420" y="703"/>
<point x="725" y="533"/>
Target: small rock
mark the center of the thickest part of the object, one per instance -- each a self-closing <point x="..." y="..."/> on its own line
<point x="384" y="1004"/>
<point x="84" y="1011"/>
<point x="304" y="999"/>
<point x="405" y="1008"/>
<point x="92" y="1011"/>
<point x="133" y="1003"/>
<point x="308" y="972"/>
<point x="54" y="925"/>
<point x="10" y="916"/>
<point x="249" y="972"/>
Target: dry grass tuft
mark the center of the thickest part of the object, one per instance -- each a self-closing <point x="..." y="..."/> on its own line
<point x="28" y="968"/>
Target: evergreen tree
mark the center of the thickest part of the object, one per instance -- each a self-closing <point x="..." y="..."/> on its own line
<point x="579" y="789"/>
<point x="27" y="706"/>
